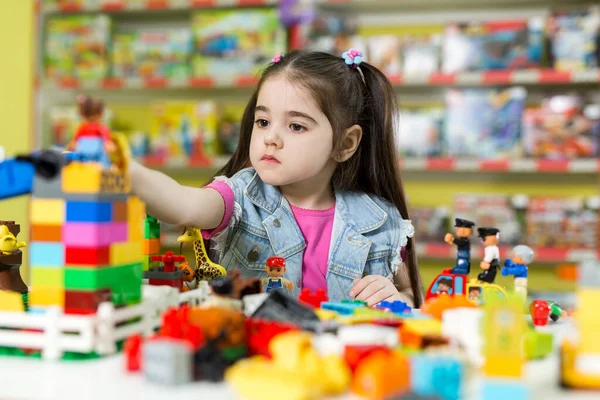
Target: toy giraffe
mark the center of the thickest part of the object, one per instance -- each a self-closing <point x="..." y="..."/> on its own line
<point x="205" y="269"/>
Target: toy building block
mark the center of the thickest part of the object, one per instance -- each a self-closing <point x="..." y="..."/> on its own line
<point x="354" y="353"/>
<point x="345" y="307"/>
<point x="132" y="350"/>
<point x="504" y="327"/>
<point x="88" y="211"/>
<point x="382" y="375"/>
<point x="151" y="246"/>
<point x="11" y="301"/>
<point x="440" y="375"/>
<point x="284" y="308"/>
<point x="48" y="211"/>
<point x="260" y="332"/>
<point x="464" y="326"/>
<point x="366" y="334"/>
<point x="396" y="307"/>
<point x="414" y="331"/>
<point x="46" y="233"/>
<point x="42" y="296"/>
<point x="501" y="389"/>
<point x="537" y="344"/>
<point x="252" y="301"/>
<point x="313" y="299"/>
<point x="85" y="302"/>
<point x="168" y="361"/>
<point x="168" y="260"/>
<point x="92" y="178"/>
<point x="151" y="228"/>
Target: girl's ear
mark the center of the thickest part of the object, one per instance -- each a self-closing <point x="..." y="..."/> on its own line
<point x="350" y="143"/>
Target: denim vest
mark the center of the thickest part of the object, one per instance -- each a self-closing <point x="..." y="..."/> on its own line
<point x="367" y="235"/>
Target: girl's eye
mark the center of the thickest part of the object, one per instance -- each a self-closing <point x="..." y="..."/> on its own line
<point x="297" y="128"/>
<point x="261" y="123"/>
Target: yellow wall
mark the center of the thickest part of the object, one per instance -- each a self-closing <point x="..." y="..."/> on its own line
<point x="16" y="95"/>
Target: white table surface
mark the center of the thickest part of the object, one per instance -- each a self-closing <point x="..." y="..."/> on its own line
<point x="106" y="379"/>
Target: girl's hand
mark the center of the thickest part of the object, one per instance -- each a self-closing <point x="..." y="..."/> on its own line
<point x="373" y="289"/>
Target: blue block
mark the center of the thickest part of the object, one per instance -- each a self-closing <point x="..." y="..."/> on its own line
<point x="440" y="375"/>
<point x="47" y="254"/>
<point x="89" y="211"/>
<point x="37" y="310"/>
<point x="16" y="177"/>
<point x="502" y="389"/>
<point x="396" y="307"/>
<point x="341" y="308"/>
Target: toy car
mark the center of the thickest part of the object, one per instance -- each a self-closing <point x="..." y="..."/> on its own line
<point x="458" y="284"/>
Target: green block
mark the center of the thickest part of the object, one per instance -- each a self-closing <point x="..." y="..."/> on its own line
<point x="537" y="344"/>
<point x="127" y="287"/>
<point x="89" y="278"/>
<point x="151" y="228"/>
<point x="357" y="302"/>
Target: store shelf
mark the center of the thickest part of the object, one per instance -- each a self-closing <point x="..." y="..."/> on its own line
<point x="118" y="6"/>
<point x="502" y="166"/>
<point x="500" y="77"/>
<point x="542" y="255"/>
<point x="487" y="78"/>
<point x="244" y="81"/>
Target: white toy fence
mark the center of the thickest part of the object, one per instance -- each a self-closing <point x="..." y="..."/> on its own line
<point x="54" y="333"/>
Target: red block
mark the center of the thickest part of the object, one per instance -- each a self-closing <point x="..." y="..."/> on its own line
<point x="260" y="332"/>
<point x="133" y="353"/>
<point x="313" y="299"/>
<point x="355" y="354"/>
<point x="85" y="302"/>
<point x="87" y="255"/>
<point x="176" y="283"/>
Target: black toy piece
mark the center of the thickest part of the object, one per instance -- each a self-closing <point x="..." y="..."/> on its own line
<point x="282" y="308"/>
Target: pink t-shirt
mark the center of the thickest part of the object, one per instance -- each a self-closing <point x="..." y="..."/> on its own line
<point x="316" y="227"/>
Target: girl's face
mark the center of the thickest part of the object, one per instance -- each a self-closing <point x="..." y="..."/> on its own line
<point x="292" y="140"/>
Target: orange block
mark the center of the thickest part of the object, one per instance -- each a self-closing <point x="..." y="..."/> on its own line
<point x="150" y="246"/>
<point x="46" y="233"/>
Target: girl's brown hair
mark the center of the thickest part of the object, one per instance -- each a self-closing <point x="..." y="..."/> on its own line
<point x="346" y="100"/>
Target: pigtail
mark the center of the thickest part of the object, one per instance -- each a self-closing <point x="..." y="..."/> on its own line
<point x="378" y="160"/>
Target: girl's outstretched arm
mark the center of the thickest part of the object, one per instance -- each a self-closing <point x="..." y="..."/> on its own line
<point x="176" y="204"/>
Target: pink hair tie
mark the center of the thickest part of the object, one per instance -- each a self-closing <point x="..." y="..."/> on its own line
<point x="277" y="58"/>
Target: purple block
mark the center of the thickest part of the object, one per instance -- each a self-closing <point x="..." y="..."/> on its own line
<point x="89" y="234"/>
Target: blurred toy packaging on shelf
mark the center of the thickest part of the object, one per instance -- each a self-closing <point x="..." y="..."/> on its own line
<point x="563" y="127"/>
<point x="484" y="123"/>
<point x="563" y="222"/>
<point x="152" y="53"/>
<point x="332" y="34"/>
<point x="230" y="118"/>
<point x="412" y="49"/>
<point x="235" y="42"/>
<point x="183" y="132"/>
<point x="419" y="132"/>
<point x="495" y="210"/>
<point x="489" y="45"/>
<point x="575" y="38"/>
<point x="431" y="223"/>
<point x="76" y="47"/>
<point x="64" y="121"/>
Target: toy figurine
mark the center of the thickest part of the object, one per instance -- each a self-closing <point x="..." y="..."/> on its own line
<point x="444" y="286"/>
<point x="92" y="139"/>
<point x="275" y="269"/>
<point x="474" y="293"/>
<point x="464" y="230"/>
<point x="491" y="259"/>
<point x="221" y="289"/>
<point x="521" y="256"/>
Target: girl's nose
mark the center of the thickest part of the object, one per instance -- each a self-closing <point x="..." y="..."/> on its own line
<point x="273" y="139"/>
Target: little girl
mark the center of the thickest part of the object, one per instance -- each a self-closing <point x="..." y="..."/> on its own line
<point x="314" y="180"/>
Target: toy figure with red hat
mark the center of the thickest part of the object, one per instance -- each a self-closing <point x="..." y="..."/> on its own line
<point x="275" y="268"/>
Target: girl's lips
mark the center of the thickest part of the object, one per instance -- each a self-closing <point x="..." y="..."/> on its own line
<point x="269" y="159"/>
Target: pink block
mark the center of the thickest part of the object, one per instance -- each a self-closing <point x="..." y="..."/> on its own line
<point x="94" y="234"/>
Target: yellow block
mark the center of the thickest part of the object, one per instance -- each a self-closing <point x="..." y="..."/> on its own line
<point x="136" y="213"/>
<point x="48" y="211"/>
<point x="11" y="301"/>
<point x="500" y="366"/>
<point x="43" y="296"/>
<point x="92" y="178"/>
<point x="588" y="304"/>
<point x="49" y="277"/>
<point x="125" y="253"/>
<point x="423" y="326"/>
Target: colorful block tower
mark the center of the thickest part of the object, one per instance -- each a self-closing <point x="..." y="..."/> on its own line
<point x="86" y="244"/>
<point x="503" y="349"/>
<point x="151" y="242"/>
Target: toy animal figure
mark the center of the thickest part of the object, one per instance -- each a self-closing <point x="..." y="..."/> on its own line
<point x="188" y="276"/>
<point x="205" y="269"/>
<point x="8" y="241"/>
